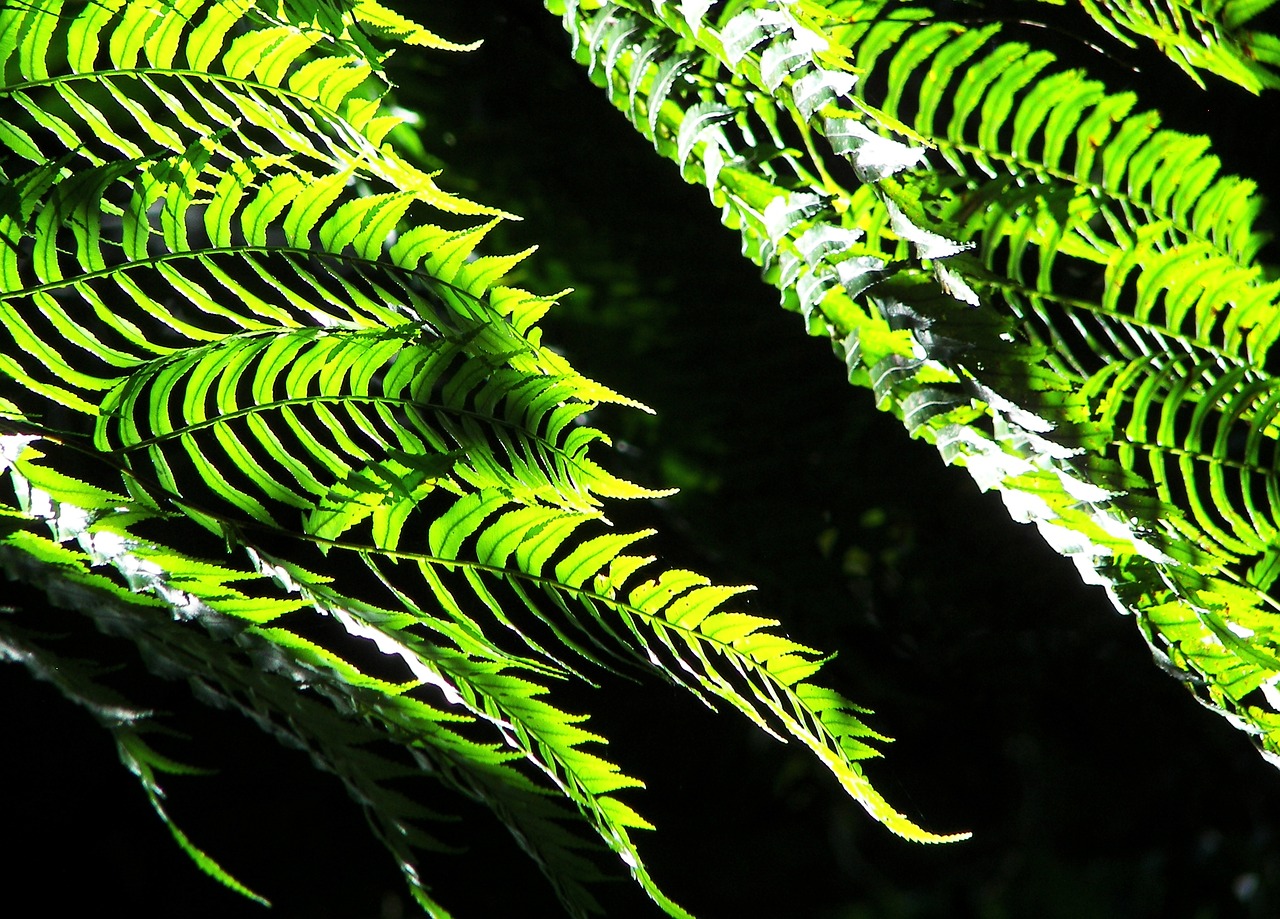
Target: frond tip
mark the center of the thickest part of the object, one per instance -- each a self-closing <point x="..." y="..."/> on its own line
<point x="389" y="24"/>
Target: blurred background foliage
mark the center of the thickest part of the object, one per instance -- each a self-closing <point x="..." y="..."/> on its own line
<point x="1026" y="709"/>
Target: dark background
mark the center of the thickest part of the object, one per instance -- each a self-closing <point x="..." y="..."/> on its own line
<point x="1026" y="709"/>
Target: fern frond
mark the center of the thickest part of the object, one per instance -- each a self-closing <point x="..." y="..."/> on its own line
<point x="1198" y="35"/>
<point x="80" y="682"/>
<point x="463" y="716"/>
<point x="1063" y="295"/>
<point x="229" y="308"/>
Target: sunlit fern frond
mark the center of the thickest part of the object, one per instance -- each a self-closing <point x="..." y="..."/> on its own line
<point x="1209" y="36"/>
<point x="255" y="366"/>
<point x="1031" y="271"/>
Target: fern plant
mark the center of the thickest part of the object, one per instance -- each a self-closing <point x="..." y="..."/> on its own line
<point x="1062" y="295"/>
<point x="257" y="375"/>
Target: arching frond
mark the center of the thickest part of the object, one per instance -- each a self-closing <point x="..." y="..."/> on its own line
<point x="231" y="310"/>
<point x="1030" y="270"/>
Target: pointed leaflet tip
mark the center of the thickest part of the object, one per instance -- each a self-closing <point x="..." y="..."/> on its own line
<point x="955" y="285"/>
<point x="928" y="245"/>
<point x="852" y="780"/>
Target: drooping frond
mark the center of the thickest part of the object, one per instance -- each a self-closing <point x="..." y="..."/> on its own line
<point x="1030" y="270"/>
<point x="246" y="343"/>
<point x="80" y="681"/>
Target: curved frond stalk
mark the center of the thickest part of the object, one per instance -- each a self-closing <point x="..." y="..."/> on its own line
<point x="1031" y="272"/>
<point x="230" y="309"/>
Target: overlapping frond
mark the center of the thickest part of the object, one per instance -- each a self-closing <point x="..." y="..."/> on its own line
<point x="1031" y="271"/>
<point x="231" y="310"/>
<point x="1214" y="36"/>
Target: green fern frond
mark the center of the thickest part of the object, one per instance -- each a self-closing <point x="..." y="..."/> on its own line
<point x="229" y="308"/>
<point x="1198" y="35"/>
<point x="1063" y="295"/>
<point x="446" y="691"/>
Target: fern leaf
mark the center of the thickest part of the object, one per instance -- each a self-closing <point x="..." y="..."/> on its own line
<point x="1196" y="36"/>
<point x="1030" y="270"/>
<point x="231" y="310"/>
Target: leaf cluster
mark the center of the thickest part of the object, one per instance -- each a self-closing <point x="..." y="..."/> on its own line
<point x="258" y="373"/>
